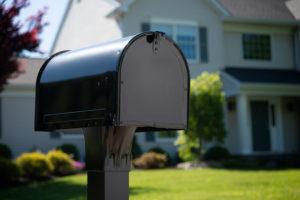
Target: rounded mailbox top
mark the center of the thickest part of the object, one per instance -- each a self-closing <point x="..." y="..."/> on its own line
<point x="141" y="81"/>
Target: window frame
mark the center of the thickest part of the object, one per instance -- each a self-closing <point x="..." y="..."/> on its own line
<point x="243" y="35"/>
<point x="175" y="24"/>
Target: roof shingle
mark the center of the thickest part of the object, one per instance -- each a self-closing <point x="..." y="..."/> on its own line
<point x="262" y="9"/>
<point x="32" y="67"/>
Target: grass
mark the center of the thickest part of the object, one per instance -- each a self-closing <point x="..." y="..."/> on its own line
<point x="176" y="185"/>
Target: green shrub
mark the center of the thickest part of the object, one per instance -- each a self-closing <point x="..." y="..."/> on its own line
<point x="9" y="172"/>
<point x="216" y="153"/>
<point x="5" y="151"/>
<point x="61" y="162"/>
<point x="187" y="147"/>
<point x="161" y="151"/>
<point x="206" y="116"/>
<point x="71" y="150"/>
<point x="150" y="160"/>
<point x="34" y="165"/>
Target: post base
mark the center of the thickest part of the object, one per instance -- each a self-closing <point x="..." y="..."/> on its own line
<point x="108" y="162"/>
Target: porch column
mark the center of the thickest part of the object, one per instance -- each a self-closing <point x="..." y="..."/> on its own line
<point x="243" y="125"/>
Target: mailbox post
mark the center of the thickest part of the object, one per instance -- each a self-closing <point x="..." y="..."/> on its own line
<point x="134" y="84"/>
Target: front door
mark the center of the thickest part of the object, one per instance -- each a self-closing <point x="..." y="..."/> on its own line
<point x="260" y="126"/>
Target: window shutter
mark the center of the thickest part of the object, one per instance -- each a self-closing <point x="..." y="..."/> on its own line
<point x="150" y="136"/>
<point x="203" y="46"/>
<point x="1" y="117"/>
<point x="145" y="27"/>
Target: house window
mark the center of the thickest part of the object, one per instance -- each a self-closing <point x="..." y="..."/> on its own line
<point x="257" y="46"/>
<point x="186" y="36"/>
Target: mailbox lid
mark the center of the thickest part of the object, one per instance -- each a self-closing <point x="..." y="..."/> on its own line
<point x="78" y="88"/>
<point x="82" y="63"/>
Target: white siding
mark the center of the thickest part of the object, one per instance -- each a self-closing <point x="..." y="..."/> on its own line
<point x="232" y="137"/>
<point x="87" y="25"/>
<point x="291" y="126"/>
<point x="18" y="125"/>
<point x="168" y="146"/>
<point x="281" y="46"/>
<point x="178" y="11"/>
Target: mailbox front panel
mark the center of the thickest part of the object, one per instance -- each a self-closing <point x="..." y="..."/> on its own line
<point x="154" y="85"/>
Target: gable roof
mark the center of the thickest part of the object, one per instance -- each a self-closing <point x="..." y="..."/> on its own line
<point x="275" y="76"/>
<point x="249" y="10"/>
<point x="31" y="67"/>
<point x="262" y="9"/>
<point x="121" y="1"/>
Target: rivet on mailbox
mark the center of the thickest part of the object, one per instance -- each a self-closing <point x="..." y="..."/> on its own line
<point x="112" y="90"/>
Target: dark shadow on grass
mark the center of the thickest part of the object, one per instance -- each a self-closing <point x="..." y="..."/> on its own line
<point x="58" y="190"/>
<point x="267" y="162"/>
<point x="141" y="190"/>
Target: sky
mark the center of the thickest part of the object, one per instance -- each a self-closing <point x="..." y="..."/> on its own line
<point x="54" y="15"/>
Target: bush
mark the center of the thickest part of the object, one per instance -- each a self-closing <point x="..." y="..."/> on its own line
<point x="161" y="151"/>
<point x="150" y="160"/>
<point x="216" y="153"/>
<point x="78" y="166"/>
<point x="187" y="147"/>
<point x="5" y="151"/>
<point x="206" y="116"/>
<point x="61" y="162"/>
<point x="71" y="150"/>
<point x="34" y="165"/>
<point x="9" y="172"/>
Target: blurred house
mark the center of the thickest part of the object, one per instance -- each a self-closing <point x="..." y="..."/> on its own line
<point x="254" y="44"/>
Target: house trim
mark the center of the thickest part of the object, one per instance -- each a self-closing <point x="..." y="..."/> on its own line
<point x="270" y="89"/>
<point x="18" y="90"/>
<point x="219" y="7"/>
<point x="121" y="9"/>
<point x="257" y="29"/>
<point x="61" y="25"/>
<point x="260" y="21"/>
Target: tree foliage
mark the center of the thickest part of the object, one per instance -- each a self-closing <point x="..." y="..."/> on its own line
<point x="16" y="36"/>
<point x="206" y="118"/>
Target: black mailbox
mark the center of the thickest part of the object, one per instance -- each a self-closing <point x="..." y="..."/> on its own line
<point x="139" y="83"/>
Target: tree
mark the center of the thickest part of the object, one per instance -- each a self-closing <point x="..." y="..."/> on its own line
<point x="206" y="117"/>
<point x="15" y="37"/>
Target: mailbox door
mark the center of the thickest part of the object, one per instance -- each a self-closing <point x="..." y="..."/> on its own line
<point x="154" y="85"/>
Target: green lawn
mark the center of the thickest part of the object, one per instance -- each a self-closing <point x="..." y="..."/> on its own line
<point x="176" y="184"/>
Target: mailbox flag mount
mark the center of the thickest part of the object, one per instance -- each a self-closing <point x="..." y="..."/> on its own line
<point x="140" y="81"/>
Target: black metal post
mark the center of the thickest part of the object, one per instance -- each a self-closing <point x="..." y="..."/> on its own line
<point x="108" y="161"/>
